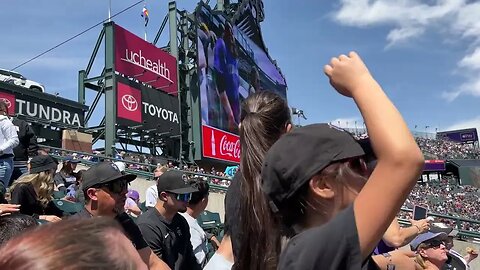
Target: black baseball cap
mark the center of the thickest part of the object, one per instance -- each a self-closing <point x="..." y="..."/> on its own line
<point x="174" y="182"/>
<point x="42" y="163"/>
<point x="102" y="173"/>
<point x="300" y="154"/>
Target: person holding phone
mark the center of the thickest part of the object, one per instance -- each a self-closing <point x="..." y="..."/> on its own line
<point x="419" y="212"/>
<point x="316" y="180"/>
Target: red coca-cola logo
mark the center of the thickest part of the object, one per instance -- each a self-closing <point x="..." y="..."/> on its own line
<point x="230" y="148"/>
<point x="221" y="145"/>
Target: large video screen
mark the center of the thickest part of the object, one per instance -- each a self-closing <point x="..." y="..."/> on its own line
<point x="230" y="67"/>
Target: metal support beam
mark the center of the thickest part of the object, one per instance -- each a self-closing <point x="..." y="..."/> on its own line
<point x="172" y="17"/>
<point x="81" y="88"/>
<point x="110" y="90"/>
<point x="160" y="31"/>
<point x="95" y="79"/>
<point x="187" y="95"/>
<point x="95" y="51"/>
<point x="220" y="5"/>
<point x="93" y="106"/>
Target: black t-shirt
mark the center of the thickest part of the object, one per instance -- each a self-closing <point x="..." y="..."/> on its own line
<point x="170" y="241"/>
<point x="233" y="221"/>
<point x="334" y="245"/>
<point x="131" y="229"/>
<point x="25" y="195"/>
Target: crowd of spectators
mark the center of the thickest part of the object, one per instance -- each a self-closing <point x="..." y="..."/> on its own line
<point x="447" y="197"/>
<point x="444" y="149"/>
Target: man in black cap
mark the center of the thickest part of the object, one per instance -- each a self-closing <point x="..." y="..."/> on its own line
<point x="105" y="188"/>
<point x="166" y="231"/>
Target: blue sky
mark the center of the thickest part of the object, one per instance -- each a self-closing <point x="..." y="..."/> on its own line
<point x="425" y="54"/>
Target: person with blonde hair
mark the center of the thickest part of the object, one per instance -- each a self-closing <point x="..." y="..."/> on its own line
<point x="431" y="250"/>
<point x="33" y="192"/>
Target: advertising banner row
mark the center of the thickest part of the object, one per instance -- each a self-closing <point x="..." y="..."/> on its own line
<point x="147" y="93"/>
<point x="42" y="106"/>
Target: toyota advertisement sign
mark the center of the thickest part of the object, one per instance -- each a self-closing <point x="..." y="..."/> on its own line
<point x="136" y="58"/>
<point x="44" y="107"/>
<point x="150" y="109"/>
<point x="462" y="136"/>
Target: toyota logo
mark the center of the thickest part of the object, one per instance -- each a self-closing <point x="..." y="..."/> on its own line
<point x="129" y="103"/>
<point x="9" y="104"/>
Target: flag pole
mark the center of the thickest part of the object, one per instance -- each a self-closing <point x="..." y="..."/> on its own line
<point x="146" y="17"/>
<point x="109" y="10"/>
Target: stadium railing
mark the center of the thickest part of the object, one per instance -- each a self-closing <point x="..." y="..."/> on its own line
<point x="462" y="234"/>
<point x="220" y="188"/>
<point x="144" y="174"/>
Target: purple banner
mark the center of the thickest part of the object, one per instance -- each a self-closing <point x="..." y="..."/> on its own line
<point x="462" y="136"/>
<point x="434" y="165"/>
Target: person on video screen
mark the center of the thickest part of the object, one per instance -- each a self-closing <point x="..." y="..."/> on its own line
<point x="208" y="39"/>
<point x="254" y="84"/>
<point x="226" y="76"/>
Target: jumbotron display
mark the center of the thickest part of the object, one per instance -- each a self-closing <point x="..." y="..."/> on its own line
<point x="230" y="66"/>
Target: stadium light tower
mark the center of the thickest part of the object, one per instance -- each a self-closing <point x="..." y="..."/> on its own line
<point x="299" y="113"/>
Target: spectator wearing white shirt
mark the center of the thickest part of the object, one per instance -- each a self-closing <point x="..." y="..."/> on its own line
<point x="151" y="195"/>
<point x="8" y="141"/>
<point x="198" y="237"/>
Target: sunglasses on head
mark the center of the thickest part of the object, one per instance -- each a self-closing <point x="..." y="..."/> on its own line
<point x="182" y="197"/>
<point x="116" y="187"/>
<point x="435" y="244"/>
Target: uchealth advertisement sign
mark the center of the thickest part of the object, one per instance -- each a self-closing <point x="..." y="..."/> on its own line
<point x="218" y="144"/>
<point x="136" y="58"/>
<point x="146" y="108"/>
<point x="44" y="107"/>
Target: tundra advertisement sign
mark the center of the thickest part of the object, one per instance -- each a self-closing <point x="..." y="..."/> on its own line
<point x="44" y="107"/>
<point x="138" y="105"/>
<point x="136" y="58"/>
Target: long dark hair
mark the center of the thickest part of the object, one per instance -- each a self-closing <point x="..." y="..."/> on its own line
<point x="264" y="118"/>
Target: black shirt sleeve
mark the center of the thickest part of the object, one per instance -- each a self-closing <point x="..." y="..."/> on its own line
<point x="334" y="245"/>
<point x="153" y="239"/>
<point x="28" y="203"/>
<point x="132" y="230"/>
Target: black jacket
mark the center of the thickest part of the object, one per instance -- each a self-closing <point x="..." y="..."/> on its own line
<point x="24" y="194"/>
<point x="28" y="146"/>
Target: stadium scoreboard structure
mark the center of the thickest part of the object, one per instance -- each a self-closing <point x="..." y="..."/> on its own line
<point x="167" y="96"/>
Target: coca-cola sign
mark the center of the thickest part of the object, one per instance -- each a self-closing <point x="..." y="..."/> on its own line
<point x="218" y="144"/>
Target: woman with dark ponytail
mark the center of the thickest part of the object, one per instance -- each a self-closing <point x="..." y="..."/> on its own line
<point x="265" y="117"/>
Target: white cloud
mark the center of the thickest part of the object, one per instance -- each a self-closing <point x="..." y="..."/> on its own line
<point x="471" y="61"/>
<point x="470" y="123"/>
<point x="403" y="34"/>
<point x="409" y="19"/>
